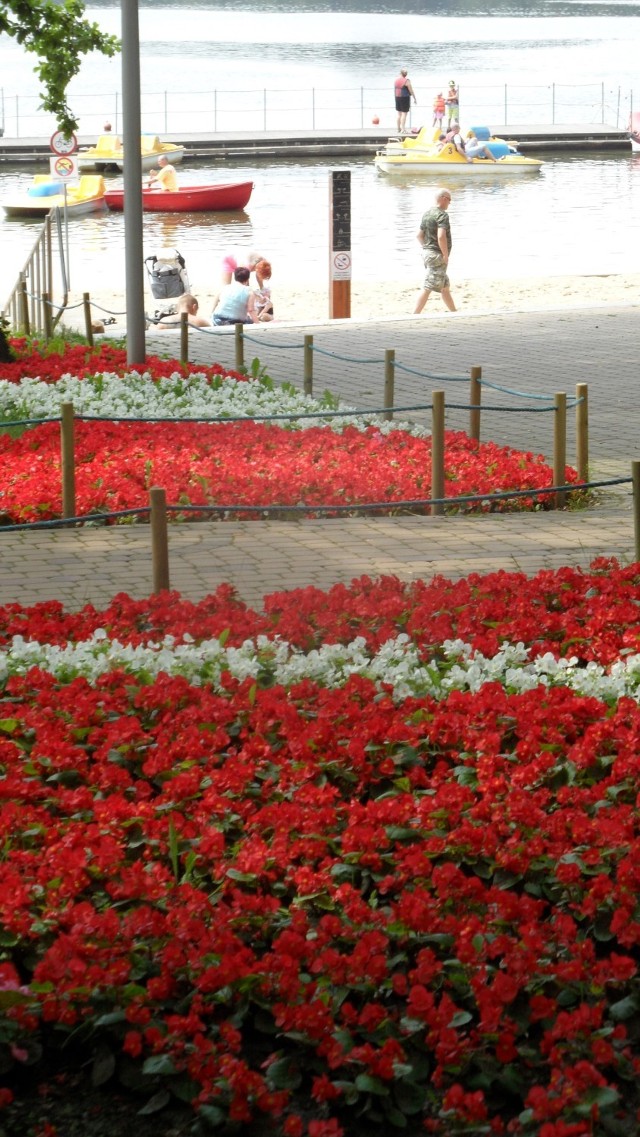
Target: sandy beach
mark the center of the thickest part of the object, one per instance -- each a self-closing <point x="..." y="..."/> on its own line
<point x="378" y="301"/>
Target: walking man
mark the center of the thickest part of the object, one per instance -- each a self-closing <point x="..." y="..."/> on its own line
<point x="434" y="235"/>
<point x="404" y="93"/>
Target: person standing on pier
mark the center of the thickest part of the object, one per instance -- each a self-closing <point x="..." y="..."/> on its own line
<point x="452" y="102"/>
<point x="404" y="93"/>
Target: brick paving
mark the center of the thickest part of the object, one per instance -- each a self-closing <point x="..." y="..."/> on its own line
<point x="535" y="352"/>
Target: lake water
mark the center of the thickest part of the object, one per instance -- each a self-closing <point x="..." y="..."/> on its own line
<point x="210" y="65"/>
<point x="576" y="216"/>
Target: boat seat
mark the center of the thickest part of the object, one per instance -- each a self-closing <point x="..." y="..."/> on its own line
<point x="107" y="143"/>
<point x="90" y="185"/>
<point x="482" y="133"/>
<point x="499" y="149"/>
<point x="150" y="143"/>
<point x="44" y="187"/>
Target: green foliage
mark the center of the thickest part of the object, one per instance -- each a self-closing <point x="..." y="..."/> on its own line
<point x="59" y="35"/>
<point x="7" y="355"/>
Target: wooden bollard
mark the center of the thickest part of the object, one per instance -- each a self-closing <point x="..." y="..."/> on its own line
<point x="47" y="316"/>
<point x="389" y="382"/>
<point x="582" y="431"/>
<point x="159" y="539"/>
<point x="239" y="348"/>
<point x="437" y="451"/>
<point x="24" y="307"/>
<point x="308" y="365"/>
<point x="68" y="463"/>
<point x="475" y="398"/>
<point x="635" y="479"/>
<point x="184" y="337"/>
<point x="560" y="446"/>
<point x="88" y="329"/>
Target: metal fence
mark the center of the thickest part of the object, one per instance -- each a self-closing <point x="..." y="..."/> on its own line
<point x="180" y="112"/>
<point x="31" y="306"/>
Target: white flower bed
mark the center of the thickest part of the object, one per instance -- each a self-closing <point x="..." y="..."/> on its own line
<point x="396" y="664"/>
<point x="194" y="397"/>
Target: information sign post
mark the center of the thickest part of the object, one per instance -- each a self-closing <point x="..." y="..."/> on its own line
<point x="340" y="244"/>
<point x="64" y="167"/>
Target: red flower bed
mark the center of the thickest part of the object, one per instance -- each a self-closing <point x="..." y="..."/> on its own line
<point x="249" y="463"/>
<point x="35" y="360"/>
<point x="326" y="909"/>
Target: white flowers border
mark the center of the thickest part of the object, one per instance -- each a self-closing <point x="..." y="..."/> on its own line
<point x="193" y="397"/>
<point x="396" y="664"/>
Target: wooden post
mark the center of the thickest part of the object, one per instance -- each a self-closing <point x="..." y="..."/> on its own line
<point x="475" y="398"/>
<point x="389" y="379"/>
<point x="24" y="307"/>
<point x="437" y="450"/>
<point x="308" y="365"/>
<point x="159" y="539"/>
<point x="582" y="431"/>
<point x="67" y="433"/>
<point x="184" y="337"/>
<point x="239" y="348"/>
<point x="47" y="316"/>
<point x="86" y="303"/>
<point x="635" y="479"/>
<point x="560" y="446"/>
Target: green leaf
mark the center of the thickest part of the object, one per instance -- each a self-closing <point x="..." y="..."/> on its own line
<point x="623" y="1009"/>
<point x="394" y="1116"/>
<point x="370" y="1085"/>
<point x="156" y="1103"/>
<point x="8" y="725"/>
<point x="104" y="1065"/>
<point x="409" y="1097"/>
<point x="159" y="1064"/>
<point x="283" y="1074"/>
<point x="213" y="1116"/>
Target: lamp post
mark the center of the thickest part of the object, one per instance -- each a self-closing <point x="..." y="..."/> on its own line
<point x="133" y="246"/>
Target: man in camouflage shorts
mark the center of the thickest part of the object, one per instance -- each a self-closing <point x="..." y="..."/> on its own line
<point x="434" y="235"/>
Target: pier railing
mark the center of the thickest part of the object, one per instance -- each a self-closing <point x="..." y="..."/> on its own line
<point x="31" y="306"/>
<point x="316" y="108"/>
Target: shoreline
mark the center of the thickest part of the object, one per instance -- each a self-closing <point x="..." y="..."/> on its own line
<point x="382" y="300"/>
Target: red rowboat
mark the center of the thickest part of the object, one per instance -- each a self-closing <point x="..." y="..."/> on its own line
<point x="188" y="199"/>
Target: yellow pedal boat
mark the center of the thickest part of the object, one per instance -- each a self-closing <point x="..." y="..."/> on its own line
<point x="45" y="193"/>
<point x="108" y="153"/>
<point x="422" y="153"/>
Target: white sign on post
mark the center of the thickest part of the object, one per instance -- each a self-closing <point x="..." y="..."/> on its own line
<point x="64" y="167"/>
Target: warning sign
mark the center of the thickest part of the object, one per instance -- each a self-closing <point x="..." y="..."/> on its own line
<point x="64" y="167"/>
<point x="341" y="266"/>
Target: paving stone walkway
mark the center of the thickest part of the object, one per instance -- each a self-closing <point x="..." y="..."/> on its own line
<point x="535" y="352"/>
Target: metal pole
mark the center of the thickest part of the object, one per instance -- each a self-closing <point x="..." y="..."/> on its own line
<point x="264" y="111"/>
<point x="505" y="104"/>
<point x="165" y="113"/>
<point x="553" y="103"/>
<point x="313" y="108"/>
<point x="602" y="101"/>
<point x="134" y="256"/>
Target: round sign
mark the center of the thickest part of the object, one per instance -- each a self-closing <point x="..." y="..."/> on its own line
<point x="62" y="143"/>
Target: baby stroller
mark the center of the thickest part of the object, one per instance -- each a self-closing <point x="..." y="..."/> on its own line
<point x="168" y="278"/>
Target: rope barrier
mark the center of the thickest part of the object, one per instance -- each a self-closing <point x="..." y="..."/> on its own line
<point x="291" y="416"/>
<point x="355" y="507"/>
<point x="429" y="375"/>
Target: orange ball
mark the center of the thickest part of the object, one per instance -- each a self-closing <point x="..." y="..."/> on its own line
<point x="375" y="120"/>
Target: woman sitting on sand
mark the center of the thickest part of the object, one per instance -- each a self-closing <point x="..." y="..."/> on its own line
<point x="236" y="302"/>
<point x="264" y="304"/>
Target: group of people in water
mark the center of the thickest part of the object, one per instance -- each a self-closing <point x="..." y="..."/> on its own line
<point x="237" y="301"/>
